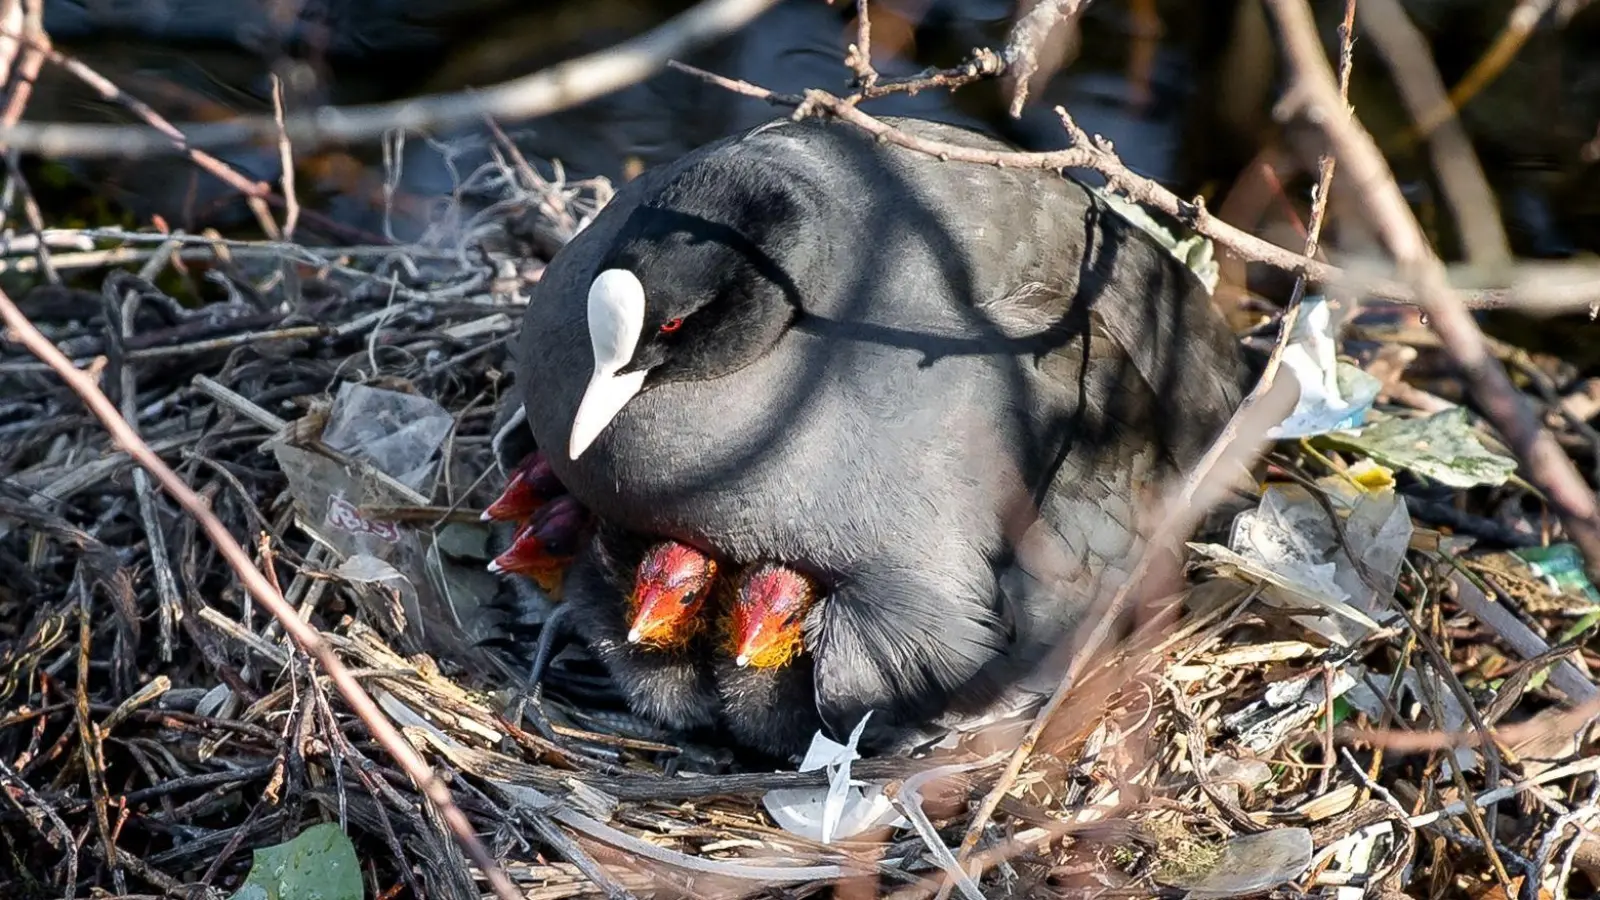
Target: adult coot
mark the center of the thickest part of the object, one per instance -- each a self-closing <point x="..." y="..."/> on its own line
<point x="934" y="387"/>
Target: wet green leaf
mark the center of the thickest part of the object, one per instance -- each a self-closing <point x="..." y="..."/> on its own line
<point x="318" y="864"/>
<point x="1442" y="447"/>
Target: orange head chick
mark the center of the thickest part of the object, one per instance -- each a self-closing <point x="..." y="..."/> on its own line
<point x="671" y="586"/>
<point x="544" y="546"/>
<point x="532" y="484"/>
<point x="768" y="611"/>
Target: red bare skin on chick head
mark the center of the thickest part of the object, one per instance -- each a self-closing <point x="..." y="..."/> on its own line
<point x="767" y="614"/>
<point x="532" y="484"/>
<point x="670" y="588"/>
<point x="546" y="545"/>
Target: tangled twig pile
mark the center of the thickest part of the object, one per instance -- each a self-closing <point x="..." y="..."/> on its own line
<point x="155" y="724"/>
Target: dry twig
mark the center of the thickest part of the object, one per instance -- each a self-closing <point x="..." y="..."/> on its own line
<point x="550" y="90"/>
<point x="1543" y="293"/>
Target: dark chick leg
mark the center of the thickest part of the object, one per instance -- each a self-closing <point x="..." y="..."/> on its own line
<point x="557" y="627"/>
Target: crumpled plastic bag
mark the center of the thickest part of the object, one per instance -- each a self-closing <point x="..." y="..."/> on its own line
<point x="1288" y="544"/>
<point x="1371" y="689"/>
<point x="400" y="436"/>
<point x="842" y="810"/>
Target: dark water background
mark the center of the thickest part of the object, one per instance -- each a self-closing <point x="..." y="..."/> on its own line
<point x="1183" y="87"/>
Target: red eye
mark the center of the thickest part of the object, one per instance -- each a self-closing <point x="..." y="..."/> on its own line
<point x="671" y="325"/>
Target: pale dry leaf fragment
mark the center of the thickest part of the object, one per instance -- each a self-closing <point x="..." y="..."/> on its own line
<point x="1196" y="251"/>
<point x="394" y="602"/>
<point x="216" y="703"/>
<point x="367" y="569"/>
<point x="1356" y="854"/>
<point x="1251" y="864"/>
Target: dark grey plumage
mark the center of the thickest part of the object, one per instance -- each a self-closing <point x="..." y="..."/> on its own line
<point x="916" y="359"/>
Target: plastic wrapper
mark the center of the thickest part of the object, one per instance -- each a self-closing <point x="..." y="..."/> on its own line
<point x="391" y="446"/>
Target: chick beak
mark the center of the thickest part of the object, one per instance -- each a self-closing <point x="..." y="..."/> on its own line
<point x="546" y="545"/>
<point x="616" y="320"/>
<point x="769" y="642"/>
<point x="669" y="591"/>
<point x="767" y="613"/>
<point x="666" y="613"/>
<point x="531" y="485"/>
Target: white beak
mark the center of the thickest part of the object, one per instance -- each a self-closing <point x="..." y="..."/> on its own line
<point x="616" y="319"/>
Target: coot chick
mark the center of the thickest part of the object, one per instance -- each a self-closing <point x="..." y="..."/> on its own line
<point x="800" y="344"/>
<point x="531" y="484"/>
<point x="637" y="609"/>
<point x="766" y="680"/>
<point x="669" y="593"/>
<point x="670" y="587"/>
<point x="544" y="546"/>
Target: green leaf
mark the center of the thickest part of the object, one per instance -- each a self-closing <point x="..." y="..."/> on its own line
<point x="1442" y="447"/>
<point x="1193" y="250"/>
<point x="318" y="864"/>
<point x="1576" y="629"/>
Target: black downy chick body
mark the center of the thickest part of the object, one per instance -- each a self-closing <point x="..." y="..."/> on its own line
<point x="766" y="680"/>
<point x="669" y="686"/>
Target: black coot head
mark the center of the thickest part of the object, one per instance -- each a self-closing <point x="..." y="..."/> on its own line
<point x="700" y="282"/>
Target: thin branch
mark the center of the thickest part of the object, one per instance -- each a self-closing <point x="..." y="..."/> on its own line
<point x="1319" y="211"/>
<point x="291" y="203"/>
<point x="561" y="86"/>
<point x="1521" y="22"/>
<point x="858" y="56"/>
<point x="980" y="65"/>
<point x="1029" y="36"/>
<point x="255" y="192"/>
<point x="1410" y="60"/>
<point x="21" y="77"/>
<point x="1579" y="292"/>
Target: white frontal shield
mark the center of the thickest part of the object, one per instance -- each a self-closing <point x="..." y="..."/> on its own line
<point x="616" y="318"/>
